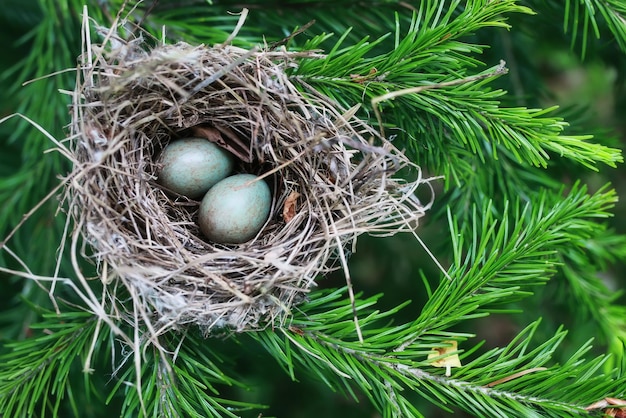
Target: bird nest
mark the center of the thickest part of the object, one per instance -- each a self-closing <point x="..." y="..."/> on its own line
<point x="332" y="178"/>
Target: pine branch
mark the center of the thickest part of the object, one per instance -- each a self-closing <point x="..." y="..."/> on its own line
<point x="385" y="368"/>
<point x="580" y="262"/>
<point x="465" y="118"/>
<point x="55" y="38"/>
<point x="36" y="376"/>
<point x="454" y="124"/>
<point x="586" y="291"/>
<point x="502" y="262"/>
<point x="613" y="13"/>
<point x="187" y="384"/>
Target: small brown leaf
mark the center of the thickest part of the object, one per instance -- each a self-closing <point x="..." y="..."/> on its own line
<point x="360" y="79"/>
<point x="450" y="360"/>
<point x="296" y="330"/>
<point x="618" y="413"/>
<point x="231" y="143"/>
<point x="357" y="78"/>
<point x="289" y="210"/>
<point x="611" y="412"/>
<point x="207" y="132"/>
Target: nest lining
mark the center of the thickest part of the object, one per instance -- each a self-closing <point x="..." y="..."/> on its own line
<point x="331" y="175"/>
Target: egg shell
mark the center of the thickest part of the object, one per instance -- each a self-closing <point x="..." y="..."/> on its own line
<point x="191" y="166"/>
<point x="235" y="209"/>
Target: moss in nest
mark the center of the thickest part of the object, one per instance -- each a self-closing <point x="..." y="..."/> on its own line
<point x="331" y="175"/>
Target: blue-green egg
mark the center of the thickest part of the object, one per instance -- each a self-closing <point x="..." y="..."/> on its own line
<point x="191" y="166"/>
<point x="235" y="209"/>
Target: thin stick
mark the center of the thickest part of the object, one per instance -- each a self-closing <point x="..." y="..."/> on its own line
<point x="61" y="148"/>
<point x="43" y="77"/>
<point x="28" y="214"/>
<point x="346" y="272"/>
<point x="276" y="169"/>
<point x="87" y="43"/>
<point x="295" y="33"/>
<point x="137" y="356"/>
<point x="240" y="22"/>
<point x="432" y="256"/>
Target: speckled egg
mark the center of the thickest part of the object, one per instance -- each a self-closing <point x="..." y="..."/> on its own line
<point x="235" y="209"/>
<point x="191" y="166"/>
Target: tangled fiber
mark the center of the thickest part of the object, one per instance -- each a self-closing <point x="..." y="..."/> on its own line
<point x="332" y="177"/>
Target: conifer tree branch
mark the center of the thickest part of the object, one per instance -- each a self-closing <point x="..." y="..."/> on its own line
<point x="495" y="384"/>
<point x="502" y="262"/>
<point x="613" y="13"/>
<point x="35" y="374"/>
<point x="592" y="299"/>
<point x="453" y="123"/>
<point x="499" y="70"/>
<point x="186" y="383"/>
<point x="466" y="114"/>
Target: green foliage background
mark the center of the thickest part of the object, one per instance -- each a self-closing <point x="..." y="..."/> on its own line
<point x="527" y="220"/>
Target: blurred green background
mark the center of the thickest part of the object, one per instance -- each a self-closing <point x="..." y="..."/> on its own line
<point x="41" y="37"/>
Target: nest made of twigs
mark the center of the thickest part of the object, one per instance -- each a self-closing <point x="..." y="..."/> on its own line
<point x="331" y="176"/>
